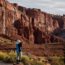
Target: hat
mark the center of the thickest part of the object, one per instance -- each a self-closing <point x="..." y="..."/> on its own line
<point x="19" y="40"/>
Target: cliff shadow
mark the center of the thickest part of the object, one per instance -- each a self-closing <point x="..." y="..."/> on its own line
<point x="59" y="32"/>
<point x="59" y="21"/>
<point x="21" y="29"/>
<point x="37" y="36"/>
<point x="18" y="26"/>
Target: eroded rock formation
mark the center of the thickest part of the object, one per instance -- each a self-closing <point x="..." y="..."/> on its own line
<point x="33" y="24"/>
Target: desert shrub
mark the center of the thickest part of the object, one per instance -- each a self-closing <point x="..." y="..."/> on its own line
<point x="12" y="56"/>
<point x="57" y="60"/>
<point x="35" y="62"/>
<point x="25" y="60"/>
<point x="7" y="57"/>
<point x="2" y="56"/>
<point x="30" y="61"/>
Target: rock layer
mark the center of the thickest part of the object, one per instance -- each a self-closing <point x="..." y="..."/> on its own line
<point x="33" y="24"/>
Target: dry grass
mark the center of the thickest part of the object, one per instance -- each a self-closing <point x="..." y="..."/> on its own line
<point x="7" y="56"/>
<point x="29" y="60"/>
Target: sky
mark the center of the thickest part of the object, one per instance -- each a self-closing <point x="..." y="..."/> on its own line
<point x="49" y="6"/>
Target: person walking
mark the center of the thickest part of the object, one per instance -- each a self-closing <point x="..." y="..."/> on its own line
<point x="18" y="50"/>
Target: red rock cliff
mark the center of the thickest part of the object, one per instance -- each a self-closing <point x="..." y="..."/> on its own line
<point x="32" y="24"/>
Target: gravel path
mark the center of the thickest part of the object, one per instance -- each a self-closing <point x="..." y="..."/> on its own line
<point x="1" y="63"/>
<point x="5" y="64"/>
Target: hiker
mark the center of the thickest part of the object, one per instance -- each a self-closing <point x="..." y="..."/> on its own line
<point x="18" y="50"/>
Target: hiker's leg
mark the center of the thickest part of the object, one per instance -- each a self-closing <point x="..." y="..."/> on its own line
<point x="21" y="53"/>
<point x="20" y="56"/>
<point x="17" y="57"/>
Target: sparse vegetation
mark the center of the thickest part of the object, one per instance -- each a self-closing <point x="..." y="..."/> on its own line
<point x="28" y="60"/>
<point x="57" y="60"/>
<point x="6" y="41"/>
<point x="7" y="57"/>
<point x="31" y="61"/>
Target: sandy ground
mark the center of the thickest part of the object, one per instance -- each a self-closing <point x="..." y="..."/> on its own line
<point x="5" y="64"/>
<point x="1" y="63"/>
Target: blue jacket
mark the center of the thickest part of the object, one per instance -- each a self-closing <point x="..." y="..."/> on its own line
<point x="18" y="47"/>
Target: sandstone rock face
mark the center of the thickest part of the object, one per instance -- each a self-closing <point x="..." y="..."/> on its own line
<point x="33" y="24"/>
<point x="64" y="20"/>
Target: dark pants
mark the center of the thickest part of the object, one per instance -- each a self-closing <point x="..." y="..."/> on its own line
<point x="18" y="57"/>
